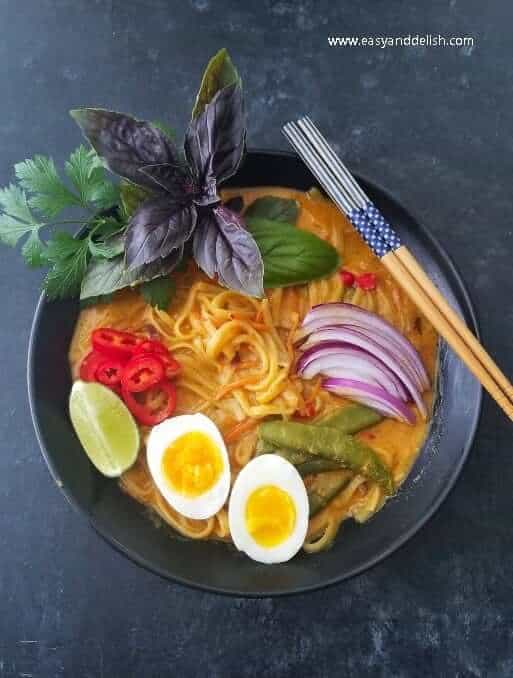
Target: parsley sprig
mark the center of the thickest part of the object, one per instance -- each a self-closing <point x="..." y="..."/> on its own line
<point x="32" y="205"/>
<point x="90" y="266"/>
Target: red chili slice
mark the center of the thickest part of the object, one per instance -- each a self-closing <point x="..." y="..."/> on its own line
<point x="90" y="365"/>
<point x="142" y="372"/>
<point x="347" y="278"/>
<point x="171" y="366"/>
<point x="115" y="344"/>
<point x="156" y="404"/>
<point x="152" y="346"/>
<point x="109" y="372"/>
<point x="160" y="351"/>
<point x="366" y="281"/>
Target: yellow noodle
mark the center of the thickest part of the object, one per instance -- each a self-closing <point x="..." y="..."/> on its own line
<point x="221" y="528"/>
<point x="320" y="540"/>
<point x="366" y="507"/>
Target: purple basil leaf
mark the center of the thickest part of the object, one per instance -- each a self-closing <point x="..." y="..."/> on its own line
<point x="214" y="142"/>
<point x="223" y="246"/>
<point x="176" y="179"/>
<point x="126" y="144"/>
<point x="157" y="228"/>
<point x="162" y="266"/>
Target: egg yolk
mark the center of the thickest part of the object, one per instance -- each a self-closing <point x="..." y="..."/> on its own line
<point x="192" y="464"/>
<point x="270" y="515"/>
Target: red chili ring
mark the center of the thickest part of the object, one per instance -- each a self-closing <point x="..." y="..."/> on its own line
<point x="109" y="372"/>
<point x="143" y="413"/>
<point x="142" y="372"/>
<point x="152" y="346"/>
<point x="171" y="366"/>
<point x="347" y="278"/>
<point x="366" y="281"/>
<point x="90" y="365"/>
<point x="115" y="344"/>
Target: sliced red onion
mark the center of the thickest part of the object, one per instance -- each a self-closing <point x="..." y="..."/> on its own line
<point x="372" y="396"/>
<point x="390" y="347"/>
<point x="341" y="312"/>
<point x="333" y="359"/>
<point x="384" y="340"/>
<point x="377" y="342"/>
<point x="350" y="336"/>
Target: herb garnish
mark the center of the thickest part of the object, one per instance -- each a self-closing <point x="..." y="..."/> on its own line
<point x="274" y="209"/>
<point x="185" y="203"/>
<point x="292" y="256"/>
<point x="166" y="206"/>
<point x="31" y="207"/>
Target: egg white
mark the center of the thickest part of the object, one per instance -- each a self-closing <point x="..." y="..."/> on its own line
<point x="268" y="469"/>
<point x="161" y="436"/>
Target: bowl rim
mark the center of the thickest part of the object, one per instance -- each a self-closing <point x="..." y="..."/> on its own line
<point x="370" y="563"/>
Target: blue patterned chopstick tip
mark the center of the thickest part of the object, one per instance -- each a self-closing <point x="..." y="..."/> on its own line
<point x="384" y="229"/>
<point x="366" y="229"/>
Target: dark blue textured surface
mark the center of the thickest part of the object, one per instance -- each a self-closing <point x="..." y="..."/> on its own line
<point x="432" y="125"/>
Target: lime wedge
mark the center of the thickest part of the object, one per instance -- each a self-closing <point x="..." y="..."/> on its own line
<point x="104" y="426"/>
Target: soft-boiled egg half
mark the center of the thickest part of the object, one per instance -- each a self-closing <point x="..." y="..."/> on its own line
<point x="189" y="463"/>
<point x="268" y="510"/>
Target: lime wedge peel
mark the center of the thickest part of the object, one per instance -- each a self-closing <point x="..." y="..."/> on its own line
<point x="105" y="427"/>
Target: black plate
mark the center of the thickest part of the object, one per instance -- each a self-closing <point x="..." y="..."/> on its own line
<point x="217" y="567"/>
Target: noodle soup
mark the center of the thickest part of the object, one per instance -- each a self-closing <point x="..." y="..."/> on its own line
<point x="238" y="357"/>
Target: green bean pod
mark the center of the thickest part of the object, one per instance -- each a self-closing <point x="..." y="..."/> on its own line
<point x="351" y="419"/>
<point x="306" y="464"/>
<point x="328" y="443"/>
<point x="317" y="500"/>
<point x="316" y="465"/>
<point x="293" y="456"/>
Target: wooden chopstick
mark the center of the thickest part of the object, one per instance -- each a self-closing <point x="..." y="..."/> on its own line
<point x="347" y="194"/>
<point x="411" y="263"/>
<point x="411" y="277"/>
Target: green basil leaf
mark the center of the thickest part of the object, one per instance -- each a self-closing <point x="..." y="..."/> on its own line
<point x="275" y="209"/>
<point x="92" y="301"/>
<point x="158" y="292"/>
<point x="291" y="256"/>
<point x="105" y="276"/>
<point x="220" y="72"/>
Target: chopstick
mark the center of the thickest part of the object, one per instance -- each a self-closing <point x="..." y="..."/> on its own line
<point x="341" y="186"/>
<point x="453" y="334"/>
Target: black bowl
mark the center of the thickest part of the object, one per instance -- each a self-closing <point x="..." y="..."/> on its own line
<point x="217" y="567"/>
